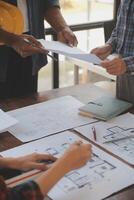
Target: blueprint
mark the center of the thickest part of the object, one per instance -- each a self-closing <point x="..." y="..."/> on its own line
<point x="115" y="136"/>
<point x="43" y="119"/>
<point x="93" y="181"/>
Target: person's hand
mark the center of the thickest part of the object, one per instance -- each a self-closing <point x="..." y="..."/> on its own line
<point x="28" y="162"/>
<point x="67" y="36"/>
<point x="103" y="51"/>
<point x="76" y="156"/>
<point x="26" y="45"/>
<point x="117" y="66"/>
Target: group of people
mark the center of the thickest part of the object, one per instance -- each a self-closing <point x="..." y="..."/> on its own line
<point x="19" y="65"/>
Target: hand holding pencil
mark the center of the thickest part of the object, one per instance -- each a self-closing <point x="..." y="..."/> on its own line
<point x="27" y="45"/>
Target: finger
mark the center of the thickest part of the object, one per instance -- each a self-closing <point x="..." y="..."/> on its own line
<point x="61" y="38"/>
<point x="33" y="42"/>
<point x="67" y="37"/>
<point x="110" y="62"/>
<point x="44" y="157"/>
<point x="74" y="41"/>
<point x="106" y="64"/>
<point x="34" y="165"/>
<point x="93" y="51"/>
<point x="113" y="72"/>
<point x="112" y="68"/>
<point x="71" y="41"/>
<point x="29" y="50"/>
<point x="79" y="142"/>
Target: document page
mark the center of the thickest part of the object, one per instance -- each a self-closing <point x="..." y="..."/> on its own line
<point x="46" y="118"/>
<point x="74" y="52"/>
<point x="6" y="121"/>
<point x="102" y="176"/>
<point x="117" y="136"/>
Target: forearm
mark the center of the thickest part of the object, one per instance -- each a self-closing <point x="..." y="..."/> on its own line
<point x="113" y="40"/>
<point x="6" y="37"/>
<point x="49" y="178"/>
<point x="54" y="17"/>
<point x="6" y="162"/>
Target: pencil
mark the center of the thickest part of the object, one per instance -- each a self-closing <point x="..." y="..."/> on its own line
<point x="55" y="59"/>
<point x="94" y="133"/>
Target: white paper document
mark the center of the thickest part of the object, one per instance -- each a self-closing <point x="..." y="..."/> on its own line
<point x="102" y="176"/>
<point x="125" y="120"/>
<point x="46" y="118"/>
<point x="74" y="52"/>
<point x="6" y="121"/>
<point x="116" y="136"/>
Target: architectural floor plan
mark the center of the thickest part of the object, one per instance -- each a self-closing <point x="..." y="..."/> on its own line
<point x="117" y="139"/>
<point x="93" y="181"/>
<point x="94" y="171"/>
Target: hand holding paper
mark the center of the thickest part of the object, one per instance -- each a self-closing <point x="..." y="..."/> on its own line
<point x="74" y="52"/>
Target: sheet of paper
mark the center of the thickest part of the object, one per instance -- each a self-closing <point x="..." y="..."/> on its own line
<point x="116" y="128"/>
<point x="126" y="120"/>
<point x="74" y="52"/>
<point x="6" y="121"/>
<point x="93" y="181"/>
<point x="46" y="118"/>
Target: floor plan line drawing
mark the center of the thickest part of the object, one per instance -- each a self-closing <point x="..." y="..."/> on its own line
<point x="115" y="138"/>
<point x="119" y="133"/>
<point x="92" y="181"/>
<point x="98" y="169"/>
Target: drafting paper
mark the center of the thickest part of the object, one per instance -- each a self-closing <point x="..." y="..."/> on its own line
<point x="46" y="118"/>
<point x="6" y="121"/>
<point x="125" y="120"/>
<point x="118" y="127"/>
<point x="102" y="176"/>
<point x="74" y="52"/>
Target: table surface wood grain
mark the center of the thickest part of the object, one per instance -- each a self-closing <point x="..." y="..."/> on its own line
<point x="83" y="93"/>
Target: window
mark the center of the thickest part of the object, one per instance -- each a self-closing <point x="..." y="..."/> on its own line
<point x="79" y="12"/>
<point x="83" y="11"/>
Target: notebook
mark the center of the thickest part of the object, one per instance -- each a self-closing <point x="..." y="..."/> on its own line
<point x="105" y="108"/>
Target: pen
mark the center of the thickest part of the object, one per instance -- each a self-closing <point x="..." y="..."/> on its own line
<point x="94" y="133"/>
<point x="55" y="59"/>
<point x="27" y="41"/>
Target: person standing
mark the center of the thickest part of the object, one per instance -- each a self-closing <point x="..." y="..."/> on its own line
<point x="121" y="42"/>
<point x="18" y="76"/>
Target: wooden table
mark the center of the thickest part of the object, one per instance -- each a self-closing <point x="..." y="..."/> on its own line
<point x="84" y="93"/>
